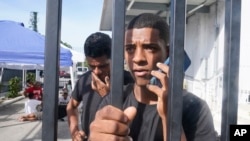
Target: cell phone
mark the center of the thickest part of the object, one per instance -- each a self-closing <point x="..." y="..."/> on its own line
<point x="154" y="80"/>
<point x="187" y="63"/>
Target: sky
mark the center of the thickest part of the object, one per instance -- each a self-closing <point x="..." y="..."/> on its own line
<point x="245" y="32"/>
<point x="80" y="18"/>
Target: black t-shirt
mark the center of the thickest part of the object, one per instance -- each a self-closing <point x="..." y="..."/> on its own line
<point x="90" y="99"/>
<point x="147" y="126"/>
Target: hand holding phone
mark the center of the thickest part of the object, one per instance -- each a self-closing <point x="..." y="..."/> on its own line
<point x="187" y="63"/>
<point x="154" y="80"/>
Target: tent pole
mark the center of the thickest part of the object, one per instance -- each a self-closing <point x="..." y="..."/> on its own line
<point x="72" y="77"/>
<point x="23" y="79"/>
<point x="1" y="75"/>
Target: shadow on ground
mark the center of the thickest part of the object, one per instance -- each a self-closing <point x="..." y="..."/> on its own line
<point x="13" y="130"/>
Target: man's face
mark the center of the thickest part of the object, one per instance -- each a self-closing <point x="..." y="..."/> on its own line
<point x="143" y="49"/>
<point x="100" y="66"/>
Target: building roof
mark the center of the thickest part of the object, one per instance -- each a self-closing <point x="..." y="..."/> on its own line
<point x="159" y="7"/>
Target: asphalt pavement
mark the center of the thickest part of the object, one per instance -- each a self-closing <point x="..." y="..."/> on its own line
<point x="13" y="130"/>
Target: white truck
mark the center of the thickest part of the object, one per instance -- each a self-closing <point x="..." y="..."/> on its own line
<point x="81" y="70"/>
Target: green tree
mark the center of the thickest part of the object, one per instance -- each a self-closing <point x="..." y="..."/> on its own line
<point x="33" y="21"/>
<point x="14" y="87"/>
<point x="31" y="76"/>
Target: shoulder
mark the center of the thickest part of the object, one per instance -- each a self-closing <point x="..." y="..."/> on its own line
<point x="197" y="118"/>
<point x="193" y="106"/>
<point x="82" y="87"/>
<point x="189" y="99"/>
<point x="85" y="76"/>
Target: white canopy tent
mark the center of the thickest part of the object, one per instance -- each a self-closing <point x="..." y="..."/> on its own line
<point x="76" y="57"/>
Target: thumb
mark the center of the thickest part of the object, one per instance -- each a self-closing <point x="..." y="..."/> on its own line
<point x="130" y="112"/>
<point x="93" y="85"/>
<point x="94" y="78"/>
<point x="82" y="133"/>
<point x="107" y="81"/>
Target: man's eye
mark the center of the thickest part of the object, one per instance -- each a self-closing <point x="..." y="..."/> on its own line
<point x="92" y="67"/>
<point x="150" y="47"/>
<point x="103" y="66"/>
<point x="130" y="48"/>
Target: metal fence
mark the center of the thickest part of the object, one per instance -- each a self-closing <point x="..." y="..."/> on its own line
<point x="178" y="14"/>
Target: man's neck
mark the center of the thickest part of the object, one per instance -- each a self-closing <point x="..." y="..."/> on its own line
<point x="143" y="95"/>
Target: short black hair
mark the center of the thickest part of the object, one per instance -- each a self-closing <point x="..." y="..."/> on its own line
<point x="151" y="21"/>
<point x="97" y="45"/>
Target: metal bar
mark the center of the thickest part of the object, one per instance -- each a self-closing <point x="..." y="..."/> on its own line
<point x="163" y="6"/>
<point x="1" y="74"/>
<point x="130" y="4"/>
<point x="23" y="79"/>
<point x="203" y="9"/>
<point x="177" y="39"/>
<point x="51" y="68"/>
<point x="149" y="6"/>
<point x="190" y="12"/>
<point x="118" y="25"/>
<point x="231" y="66"/>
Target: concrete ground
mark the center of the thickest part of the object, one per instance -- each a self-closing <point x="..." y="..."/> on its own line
<point x="13" y="130"/>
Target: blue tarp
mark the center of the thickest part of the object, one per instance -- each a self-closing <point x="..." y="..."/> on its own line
<point x="22" y="48"/>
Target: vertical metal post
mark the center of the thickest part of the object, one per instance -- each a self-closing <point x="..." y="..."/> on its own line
<point x="118" y="25"/>
<point x="1" y="74"/>
<point x="51" y="69"/>
<point x="23" y="79"/>
<point x="231" y="66"/>
<point x="177" y="40"/>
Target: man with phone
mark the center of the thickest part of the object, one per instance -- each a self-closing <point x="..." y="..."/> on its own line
<point x="144" y="117"/>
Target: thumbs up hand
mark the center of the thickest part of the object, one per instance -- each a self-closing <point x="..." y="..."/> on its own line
<point x="112" y="124"/>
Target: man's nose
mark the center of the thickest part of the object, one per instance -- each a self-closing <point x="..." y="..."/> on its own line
<point x="139" y="56"/>
<point x="96" y="70"/>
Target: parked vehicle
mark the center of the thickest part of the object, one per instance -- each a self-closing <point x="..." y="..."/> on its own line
<point x="81" y="70"/>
